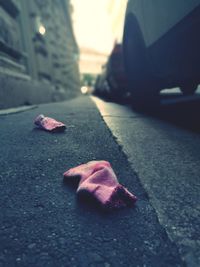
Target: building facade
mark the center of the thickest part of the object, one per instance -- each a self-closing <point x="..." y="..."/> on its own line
<point x="38" y="52"/>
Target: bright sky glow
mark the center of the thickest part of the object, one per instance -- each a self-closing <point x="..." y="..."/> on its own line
<point x="92" y="25"/>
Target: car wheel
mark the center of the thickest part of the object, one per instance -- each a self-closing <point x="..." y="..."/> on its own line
<point x="142" y="86"/>
<point x="188" y="88"/>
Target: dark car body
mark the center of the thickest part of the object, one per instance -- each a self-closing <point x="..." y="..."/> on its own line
<point x="113" y="81"/>
<point x="116" y="76"/>
<point x="161" y="46"/>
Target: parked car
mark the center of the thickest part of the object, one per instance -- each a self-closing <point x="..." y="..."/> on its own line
<point x="161" y="45"/>
<point x="113" y="81"/>
<point x="101" y="87"/>
<point x="116" y="76"/>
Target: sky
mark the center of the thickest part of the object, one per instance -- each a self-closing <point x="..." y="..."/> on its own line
<point x="92" y="25"/>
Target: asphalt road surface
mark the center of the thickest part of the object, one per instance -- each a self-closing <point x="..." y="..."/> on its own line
<point x="163" y="148"/>
<point x="42" y="223"/>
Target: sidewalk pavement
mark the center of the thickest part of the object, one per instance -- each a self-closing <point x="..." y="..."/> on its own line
<point x="42" y="223"/>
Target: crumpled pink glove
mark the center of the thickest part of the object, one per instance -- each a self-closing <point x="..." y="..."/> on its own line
<point x="49" y="124"/>
<point x="98" y="179"/>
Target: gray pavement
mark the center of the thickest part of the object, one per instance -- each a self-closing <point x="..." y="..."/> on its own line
<point x="42" y="223"/>
<point x="164" y="150"/>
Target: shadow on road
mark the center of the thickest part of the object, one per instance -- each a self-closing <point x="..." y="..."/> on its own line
<point x="184" y="114"/>
<point x="175" y="108"/>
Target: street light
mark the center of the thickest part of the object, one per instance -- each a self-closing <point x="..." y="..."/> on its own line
<point x="84" y="90"/>
<point x="39" y="26"/>
<point x="42" y="30"/>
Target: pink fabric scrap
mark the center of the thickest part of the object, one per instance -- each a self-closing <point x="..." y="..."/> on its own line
<point x="49" y="124"/>
<point x="98" y="179"/>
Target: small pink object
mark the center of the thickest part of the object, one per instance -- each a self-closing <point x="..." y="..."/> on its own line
<point x="49" y="124"/>
<point x="98" y="179"/>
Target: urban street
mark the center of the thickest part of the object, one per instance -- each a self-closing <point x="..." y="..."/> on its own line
<point x="156" y="157"/>
<point x="99" y="133"/>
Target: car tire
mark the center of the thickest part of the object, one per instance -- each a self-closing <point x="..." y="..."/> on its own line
<point x="141" y="84"/>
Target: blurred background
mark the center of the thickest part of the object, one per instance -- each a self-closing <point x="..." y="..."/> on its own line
<point x="49" y="48"/>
